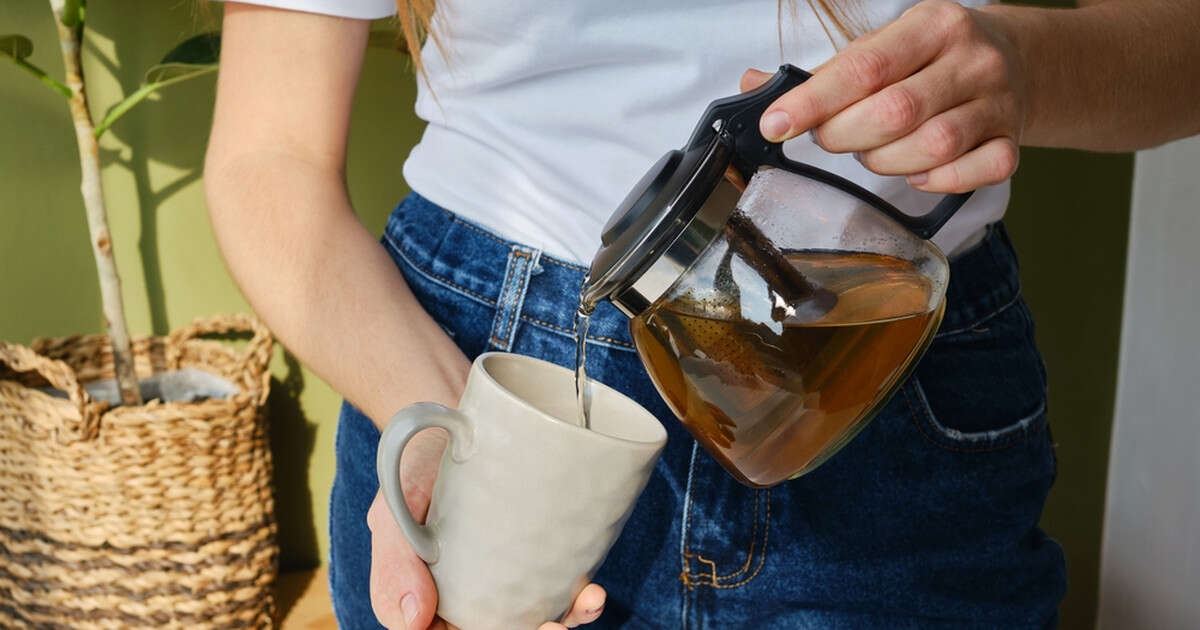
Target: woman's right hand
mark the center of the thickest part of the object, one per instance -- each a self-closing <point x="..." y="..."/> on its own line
<point x="402" y="590"/>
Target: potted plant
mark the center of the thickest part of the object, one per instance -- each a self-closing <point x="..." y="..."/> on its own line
<point x="135" y="474"/>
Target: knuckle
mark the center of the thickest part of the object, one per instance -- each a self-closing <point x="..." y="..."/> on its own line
<point x="990" y="64"/>
<point x="880" y="163"/>
<point x="1007" y="115"/>
<point x="952" y="178"/>
<point x="952" y="18"/>
<point x="899" y="109"/>
<point x="867" y="68"/>
<point x="804" y="108"/>
<point x="1004" y="162"/>
<point x="942" y="140"/>
<point x="867" y="159"/>
<point x="817" y="135"/>
<point x="1002" y="107"/>
<point x="927" y="7"/>
<point x="832" y="139"/>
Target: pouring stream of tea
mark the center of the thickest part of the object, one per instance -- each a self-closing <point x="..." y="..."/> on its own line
<point x="583" y="387"/>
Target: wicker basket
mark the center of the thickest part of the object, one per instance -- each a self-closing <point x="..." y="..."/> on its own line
<point x="154" y="516"/>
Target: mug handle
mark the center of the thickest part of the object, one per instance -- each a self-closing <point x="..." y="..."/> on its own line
<point x="400" y="429"/>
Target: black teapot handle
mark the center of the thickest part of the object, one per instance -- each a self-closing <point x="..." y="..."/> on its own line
<point x="736" y="119"/>
<point x="924" y="226"/>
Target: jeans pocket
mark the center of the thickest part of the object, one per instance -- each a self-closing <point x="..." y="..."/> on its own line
<point x="981" y="387"/>
<point x="726" y="527"/>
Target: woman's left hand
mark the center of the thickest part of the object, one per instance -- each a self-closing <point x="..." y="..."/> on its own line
<point x="938" y="95"/>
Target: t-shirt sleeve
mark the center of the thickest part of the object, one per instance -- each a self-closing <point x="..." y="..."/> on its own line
<point x="361" y="9"/>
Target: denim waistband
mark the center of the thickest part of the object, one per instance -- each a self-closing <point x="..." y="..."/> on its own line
<point x="526" y="285"/>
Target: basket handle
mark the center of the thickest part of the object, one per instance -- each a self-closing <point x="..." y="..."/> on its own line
<point x="258" y="351"/>
<point x="62" y="377"/>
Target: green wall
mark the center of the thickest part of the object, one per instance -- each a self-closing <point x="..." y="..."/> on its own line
<point x="1068" y="219"/>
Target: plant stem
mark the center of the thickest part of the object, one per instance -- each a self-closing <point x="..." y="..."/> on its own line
<point x="131" y="101"/>
<point x="97" y="215"/>
<point x="41" y="75"/>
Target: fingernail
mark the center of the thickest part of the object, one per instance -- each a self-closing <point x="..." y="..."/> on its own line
<point x="775" y="125"/>
<point x="918" y="179"/>
<point x="408" y="605"/>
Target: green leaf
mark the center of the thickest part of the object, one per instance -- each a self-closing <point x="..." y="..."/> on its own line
<point x="17" y="48"/>
<point x="194" y="57"/>
<point x="72" y="14"/>
<point x="201" y="50"/>
<point x="168" y="73"/>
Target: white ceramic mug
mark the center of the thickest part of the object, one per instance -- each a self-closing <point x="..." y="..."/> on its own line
<point x="526" y="503"/>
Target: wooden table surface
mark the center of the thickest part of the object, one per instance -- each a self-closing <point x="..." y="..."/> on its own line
<point x="303" y="598"/>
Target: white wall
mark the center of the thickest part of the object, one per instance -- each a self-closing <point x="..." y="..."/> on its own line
<point x="1150" y="565"/>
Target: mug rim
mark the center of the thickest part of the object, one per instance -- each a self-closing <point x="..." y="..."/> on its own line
<point x="479" y="366"/>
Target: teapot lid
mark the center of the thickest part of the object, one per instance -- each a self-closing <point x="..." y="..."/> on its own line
<point x="654" y="235"/>
<point x="661" y="207"/>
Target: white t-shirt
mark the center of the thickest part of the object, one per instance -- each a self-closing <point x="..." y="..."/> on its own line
<point x="544" y="113"/>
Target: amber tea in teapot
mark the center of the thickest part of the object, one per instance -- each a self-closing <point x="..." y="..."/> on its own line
<point x="766" y="398"/>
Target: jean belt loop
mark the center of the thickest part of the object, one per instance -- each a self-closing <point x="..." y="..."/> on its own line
<point x="521" y="263"/>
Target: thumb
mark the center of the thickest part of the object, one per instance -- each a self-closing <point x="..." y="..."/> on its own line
<point x="403" y="594"/>
<point x="753" y="78"/>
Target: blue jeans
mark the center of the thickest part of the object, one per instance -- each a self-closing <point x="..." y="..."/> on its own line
<point x="928" y="519"/>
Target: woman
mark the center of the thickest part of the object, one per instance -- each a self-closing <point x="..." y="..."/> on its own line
<point x="541" y="116"/>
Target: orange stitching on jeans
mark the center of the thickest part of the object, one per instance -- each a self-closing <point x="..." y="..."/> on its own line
<point x="753" y="540"/>
<point x="687" y="526"/>
<point x="762" y="557"/>
<point x="616" y="342"/>
<point x="712" y="565"/>
<point x="562" y="263"/>
<point x="712" y="573"/>
<point x="683" y="577"/>
<point x="546" y="324"/>
<point x="749" y="554"/>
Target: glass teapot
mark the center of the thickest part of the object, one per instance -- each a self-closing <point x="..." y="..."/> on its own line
<point x="775" y="305"/>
